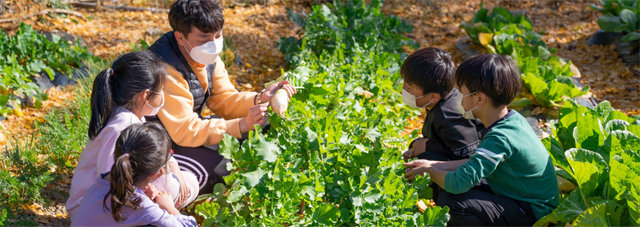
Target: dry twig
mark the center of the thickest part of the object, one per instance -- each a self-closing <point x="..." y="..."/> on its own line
<point x="126" y="8"/>
<point x="46" y="11"/>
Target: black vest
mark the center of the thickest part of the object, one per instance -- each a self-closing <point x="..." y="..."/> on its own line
<point x="166" y="47"/>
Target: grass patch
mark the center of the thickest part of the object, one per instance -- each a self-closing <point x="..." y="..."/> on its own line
<point x="31" y="167"/>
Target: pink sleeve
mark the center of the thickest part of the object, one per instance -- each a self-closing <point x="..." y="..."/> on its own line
<point x="105" y="155"/>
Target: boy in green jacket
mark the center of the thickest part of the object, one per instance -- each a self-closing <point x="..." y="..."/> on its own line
<point x="521" y="182"/>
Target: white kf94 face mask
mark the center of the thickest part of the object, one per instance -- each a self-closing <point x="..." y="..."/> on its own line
<point x="467" y="114"/>
<point x="155" y="110"/>
<point x="410" y="99"/>
<point x="206" y="53"/>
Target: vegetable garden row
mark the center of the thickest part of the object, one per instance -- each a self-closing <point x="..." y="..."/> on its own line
<point x="335" y="157"/>
<point x="31" y="53"/>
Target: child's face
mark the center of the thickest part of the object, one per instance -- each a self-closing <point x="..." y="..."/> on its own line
<point x="470" y="100"/>
<point x="421" y="99"/>
<point x="153" y="100"/>
<point x="158" y="174"/>
<point x="413" y="89"/>
<point x="161" y="172"/>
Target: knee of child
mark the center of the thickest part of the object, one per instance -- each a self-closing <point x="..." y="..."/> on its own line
<point x="221" y="168"/>
<point x="453" y="201"/>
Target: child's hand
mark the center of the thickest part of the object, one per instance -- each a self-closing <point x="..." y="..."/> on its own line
<point x="165" y="201"/>
<point x="417" y="167"/>
<point x="184" y="190"/>
<point x="408" y="155"/>
<point x="151" y="191"/>
<point x="418" y="147"/>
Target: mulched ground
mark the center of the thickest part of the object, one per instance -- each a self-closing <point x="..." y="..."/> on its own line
<point x="565" y="25"/>
<point x="255" y="59"/>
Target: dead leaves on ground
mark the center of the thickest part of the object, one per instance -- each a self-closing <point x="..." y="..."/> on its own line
<point x="254" y="31"/>
<point x="51" y="215"/>
<point x="22" y="127"/>
<point x="565" y="25"/>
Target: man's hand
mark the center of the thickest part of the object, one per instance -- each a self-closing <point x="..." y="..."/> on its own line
<point x="417" y="167"/>
<point x="418" y="147"/>
<point x="270" y="91"/>
<point x="257" y="115"/>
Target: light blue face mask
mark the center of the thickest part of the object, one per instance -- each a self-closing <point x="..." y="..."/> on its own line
<point x="468" y="114"/>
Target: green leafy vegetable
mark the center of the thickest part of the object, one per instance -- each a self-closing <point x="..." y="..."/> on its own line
<point x="602" y="158"/>
<point x="621" y="16"/>
<point x="336" y="158"/>
<point x="546" y="76"/>
<point x="29" y="53"/>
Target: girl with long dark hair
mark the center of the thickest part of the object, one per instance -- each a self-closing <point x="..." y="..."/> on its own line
<point x="123" y="196"/>
<point x="123" y="95"/>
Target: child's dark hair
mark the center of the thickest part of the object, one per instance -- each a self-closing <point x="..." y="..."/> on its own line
<point x="495" y="75"/>
<point x="141" y="150"/>
<point x="129" y="75"/>
<point x="431" y="69"/>
<point x="206" y="15"/>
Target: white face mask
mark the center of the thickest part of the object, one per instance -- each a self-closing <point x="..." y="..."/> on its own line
<point x="410" y="99"/>
<point x="466" y="114"/>
<point x="206" y="53"/>
<point x="155" y="110"/>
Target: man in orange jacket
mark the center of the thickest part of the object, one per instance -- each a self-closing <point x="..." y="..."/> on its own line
<point x="197" y="77"/>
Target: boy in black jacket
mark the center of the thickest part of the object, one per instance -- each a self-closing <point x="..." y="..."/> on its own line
<point x="428" y="83"/>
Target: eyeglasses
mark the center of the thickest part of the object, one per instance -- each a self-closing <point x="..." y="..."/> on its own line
<point x="154" y="92"/>
<point x="473" y="93"/>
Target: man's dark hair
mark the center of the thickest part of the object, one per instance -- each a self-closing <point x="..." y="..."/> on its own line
<point x="206" y="15"/>
<point x="431" y="69"/>
<point x="495" y="75"/>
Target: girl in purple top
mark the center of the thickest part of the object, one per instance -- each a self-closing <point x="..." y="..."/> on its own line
<point x="123" y="95"/>
<point x="124" y="196"/>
